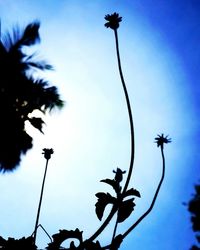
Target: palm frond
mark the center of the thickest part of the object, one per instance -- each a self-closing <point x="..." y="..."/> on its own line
<point x="42" y="65"/>
<point x="2" y="50"/>
<point x="21" y="92"/>
<point x="32" y="62"/>
<point x="8" y="39"/>
<point x="19" y="38"/>
<point x="47" y="96"/>
<point x="31" y="34"/>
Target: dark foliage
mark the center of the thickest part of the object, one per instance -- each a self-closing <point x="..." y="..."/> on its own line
<point x="124" y="207"/>
<point x="21" y="93"/>
<point x="194" y="209"/>
<point x="15" y="244"/>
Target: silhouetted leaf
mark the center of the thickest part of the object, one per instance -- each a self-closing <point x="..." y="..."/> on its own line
<point x="109" y="181"/>
<point x="64" y="235"/>
<point x="103" y="200"/>
<point x="125" y="209"/>
<point x="133" y="192"/>
<point x="37" y="123"/>
<point x="114" y="184"/>
<point x="40" y="64"/>
<point x="31" y="34"/>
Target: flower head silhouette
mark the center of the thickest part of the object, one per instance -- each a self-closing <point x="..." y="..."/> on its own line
<point x="161" y="140"/>
<point x="113" y="21"/>
<point x="47" y="153"/>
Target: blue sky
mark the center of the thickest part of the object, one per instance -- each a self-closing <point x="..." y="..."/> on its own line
<point x="159" y="45"/>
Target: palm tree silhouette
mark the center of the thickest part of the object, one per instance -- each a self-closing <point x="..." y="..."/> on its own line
<point x="21" y="92"/>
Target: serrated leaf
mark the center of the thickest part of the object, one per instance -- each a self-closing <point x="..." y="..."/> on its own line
<point x="103" y="200"/>
<point x="125" y="210"/>
<point x="62" y="236"/>
<point x="133" y="192"/>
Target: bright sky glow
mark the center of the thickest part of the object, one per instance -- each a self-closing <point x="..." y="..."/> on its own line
<point x="91" y="136"/>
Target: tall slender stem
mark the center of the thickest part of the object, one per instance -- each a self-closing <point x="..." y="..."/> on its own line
<point x="40" y="202"/>
<point x="129" y="113"/>
<point x="131" y="123"/>
<point x="154" y="198"/>
<point x="114" y="210"/>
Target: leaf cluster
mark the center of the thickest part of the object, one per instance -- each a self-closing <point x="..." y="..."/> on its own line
<point x="194" y="209"/>
<point x="16" y="244"/>
<point x="121" y="201"/>
<point x="22" y="91"/>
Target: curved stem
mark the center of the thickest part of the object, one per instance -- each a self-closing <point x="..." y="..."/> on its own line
<point x="115" y="228"/>
<point x="130" y="121"/>
<point x="129" y="114"/>
<point x="40" y="202"/>
<point x="114" y="210"/>
<point x="154" y="198"/>
<point x="103" y="226"/>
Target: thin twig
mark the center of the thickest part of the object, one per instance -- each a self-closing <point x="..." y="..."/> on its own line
<point x="40" y="202"/>
<point x="40" y="225"/>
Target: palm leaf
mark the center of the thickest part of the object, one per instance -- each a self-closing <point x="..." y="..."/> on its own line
<point x="19" y="38"/>
<point x="31" y="34"/>
<point x="21" y="93"/>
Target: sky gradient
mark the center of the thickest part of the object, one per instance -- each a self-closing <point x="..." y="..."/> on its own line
<point x="159" y="46"/>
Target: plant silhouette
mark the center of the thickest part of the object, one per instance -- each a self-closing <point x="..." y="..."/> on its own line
<point x="194" y="209"/>
<point x="122" y="202"/>
<point x="47" y="155"/>
<point x="21" y="93"/>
